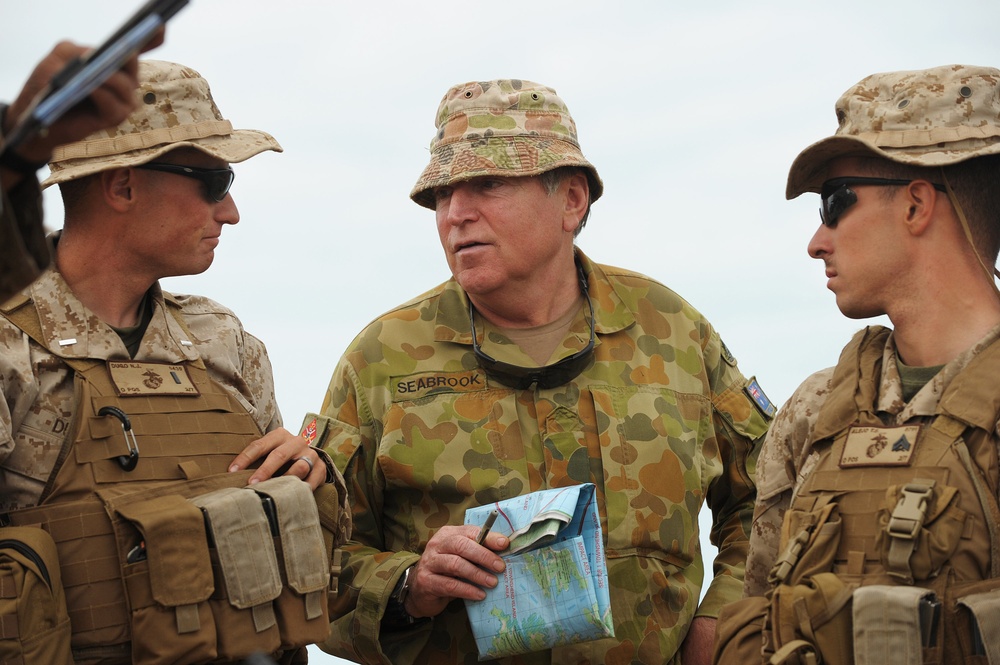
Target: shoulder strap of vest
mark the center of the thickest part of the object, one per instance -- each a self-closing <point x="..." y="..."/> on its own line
<point x="174" y="311"/>
<point x="855" y="382"/>
<point x="973" y="396"/>
<point x="21" y="311"/>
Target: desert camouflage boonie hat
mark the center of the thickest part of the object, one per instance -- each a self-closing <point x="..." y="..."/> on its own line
<point x="506" y="127"/>
<point x="175" y="110"/>
<point x="930" y="117"/>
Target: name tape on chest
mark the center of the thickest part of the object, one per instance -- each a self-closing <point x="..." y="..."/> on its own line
<point x="144" y="378"/>
<point x="879" y="446"/>
<point x="416" y="386"/>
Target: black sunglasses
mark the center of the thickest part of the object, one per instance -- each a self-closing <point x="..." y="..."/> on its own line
<point x="837" y="195"/>
<point x="550" y="376"/>
<point x="217" y="181"/>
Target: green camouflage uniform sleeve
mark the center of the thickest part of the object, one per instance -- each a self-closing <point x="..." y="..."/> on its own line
<point x="367" y="572"/>
<point x="778" y="471"/>
<point x="740" y="429"/>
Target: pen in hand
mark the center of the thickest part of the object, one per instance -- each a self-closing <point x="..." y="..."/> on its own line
<point x="487" y="525"/>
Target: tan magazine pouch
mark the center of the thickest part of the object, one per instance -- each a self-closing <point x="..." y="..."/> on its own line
<point x="247" y="570"/>
<point x="812" y="618"/>
<point x="169" y="590"/>
<point x="887" y="625"/>
<point x="34" y="623"/>
<point x="981" y="626"/>
<point x="304" y="562"/>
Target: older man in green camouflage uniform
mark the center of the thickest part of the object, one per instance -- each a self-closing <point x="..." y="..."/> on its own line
<point x="875" y="533"/>
<point x="533" y="367"/>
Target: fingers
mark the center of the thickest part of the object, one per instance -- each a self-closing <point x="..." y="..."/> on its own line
<point x="108" y="105"/>
<point x="158" y="38"/>
<point x="283" y="453"/>
<point x="316" y="473"/>
<point x="453" y="566"/>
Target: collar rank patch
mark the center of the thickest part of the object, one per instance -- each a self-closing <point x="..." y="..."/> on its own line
<point x="309" y="432"/>
<point x="879" y="446"/>
<point x="756" y="393"/>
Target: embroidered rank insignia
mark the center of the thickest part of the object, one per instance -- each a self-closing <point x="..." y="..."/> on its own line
<point x="756" y="393"/>
<point x="132" y="378"/>
<point x="309" y="432"/>
<point x="879" y="446"/>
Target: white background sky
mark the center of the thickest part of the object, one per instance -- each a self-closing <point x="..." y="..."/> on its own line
<point x="692" y="113"/>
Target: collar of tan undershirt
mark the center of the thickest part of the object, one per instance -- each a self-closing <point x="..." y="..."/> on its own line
<point x="539" y="342"/>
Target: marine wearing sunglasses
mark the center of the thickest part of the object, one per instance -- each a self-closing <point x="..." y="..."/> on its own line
<point x="837" y="195"/>
<point x="217" y="181"/>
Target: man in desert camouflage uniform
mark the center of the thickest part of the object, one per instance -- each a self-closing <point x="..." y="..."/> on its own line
<point x="24" y="252"/>
<point x="880" y="474"/>
<point x="533" y="367"/>
<point x="145" y="200"/>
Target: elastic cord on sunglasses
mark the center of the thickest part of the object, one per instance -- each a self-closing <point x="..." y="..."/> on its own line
<point x="548" y="376"/>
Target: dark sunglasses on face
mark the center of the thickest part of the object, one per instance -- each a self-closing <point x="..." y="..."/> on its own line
<point x="837" y="195"/>
<point x="217" y="181"/>
<point x="550" y="376"/>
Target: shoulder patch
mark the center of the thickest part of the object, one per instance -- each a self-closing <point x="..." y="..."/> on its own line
<point x="415" y="386"/>
<point x="760" y="399"/>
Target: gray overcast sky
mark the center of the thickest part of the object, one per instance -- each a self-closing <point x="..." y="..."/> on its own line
<point x="691" y="112"/>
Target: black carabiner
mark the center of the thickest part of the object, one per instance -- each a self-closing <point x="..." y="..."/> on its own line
<point x="125" y="462"/>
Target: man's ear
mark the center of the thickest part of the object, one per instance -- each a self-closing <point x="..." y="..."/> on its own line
<point x="117" y="187"/>
<point x="577" y="200"/>
<point x="920" y="198"/>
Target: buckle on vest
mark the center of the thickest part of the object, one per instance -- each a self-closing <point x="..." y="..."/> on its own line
<point x="904" y="526"/>
<point x="911" y="509"/>
<point x="783" y="566"/>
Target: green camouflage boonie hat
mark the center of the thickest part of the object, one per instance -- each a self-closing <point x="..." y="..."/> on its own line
<point x="930" y="117"/>
<point x="506" y="127"/>
<point x="175" y="110"/>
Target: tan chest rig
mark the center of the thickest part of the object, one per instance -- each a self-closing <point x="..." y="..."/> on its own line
<point x="156" y="538"/>
<point x="891" y="517"/>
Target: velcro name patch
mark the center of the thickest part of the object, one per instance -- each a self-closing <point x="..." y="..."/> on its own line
<point x="143" y="378"/>
<point x="879" y="446"/>
<point x="416" y="386"/>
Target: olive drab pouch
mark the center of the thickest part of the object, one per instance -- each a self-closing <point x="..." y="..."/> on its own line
<point x="34" y="622"/>
<point x="168" y="579"/>
<point x="246" y="570"/>
<point x="811" y="622"/>
<point x="738" y="636"/>
<point x="303" y="559"/>
<point x="919" y="530"/>
<point x="811" y="540"/>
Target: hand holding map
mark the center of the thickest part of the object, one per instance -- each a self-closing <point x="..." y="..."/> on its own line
<point x="554" y="590"/>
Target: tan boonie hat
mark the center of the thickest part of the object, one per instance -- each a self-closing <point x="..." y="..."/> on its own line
<point x="175" y="110"/>
<point x="930" y="117"/>
<point x="506" y="127"/>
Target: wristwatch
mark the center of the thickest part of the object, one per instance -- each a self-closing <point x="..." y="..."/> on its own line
<point x="396" y="615"/>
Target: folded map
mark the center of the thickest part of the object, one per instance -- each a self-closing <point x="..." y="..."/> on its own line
<point x="554" y="590"/>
